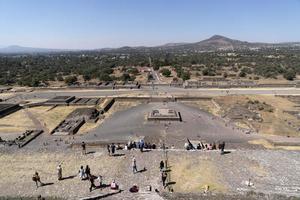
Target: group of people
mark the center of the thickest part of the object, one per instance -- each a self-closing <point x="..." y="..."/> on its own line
<point x="164" y="174"/>
<point x="111" y="148"/>
<point x="208" y="146"/>
<point x="141" y="144"/>
<point x="36" y="177"/>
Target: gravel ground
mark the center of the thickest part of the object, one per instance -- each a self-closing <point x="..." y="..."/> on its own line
<point x="271" y="172"/>
<point x="196" y="125"/>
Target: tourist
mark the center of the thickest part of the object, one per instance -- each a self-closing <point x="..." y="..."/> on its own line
<point x="113" y="149"/>
<point x="100" y="180"/>
<point x="164" y="178"/>
<point x="153" y="146"/>
<point x="222" y="148"/>
<point x="114" y="185"/>
<point x="81" y="173"/>
<point x="219" y="146"/>
<point x="214" y="146"/>
<point x="129" y="145"/>
<point x="126" y="147"/>
<point x="59" y="172"/>
<point x="108" y="149"/>
<point x="36" y="178"/>
<point x="91" y="179"/>
<point x="134" y="189"/>
<point x="205" y="147"/>
<point x="199" y="146"/>
<point x="186" y="146"/>
<point x="141" y="145"/>
<point x="87" y="171"/>
<point x="134" y="167"/>
<point x="119" y="147"/>
<point x="161" y="165"/>
<point x="83" y="148"/>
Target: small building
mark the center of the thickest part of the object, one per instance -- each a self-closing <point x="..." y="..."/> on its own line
<point x="164" y="114"/>
<point x="60" y="100"/>
<point x="75" y="120"/>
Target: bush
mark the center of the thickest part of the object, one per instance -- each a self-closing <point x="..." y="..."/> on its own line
<point x="105" y="77"/>
<point x="70" y="80"/>
<point x="165" y="72"/>
<point x="289" y="75"/>
<point x="156" y="67"/>
<point x="185" y="76"/>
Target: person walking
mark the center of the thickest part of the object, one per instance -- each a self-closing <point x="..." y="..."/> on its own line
<point x="87" y="171"/>
<point x="83" y="148"/>
<point x="36" y="178"/>
<point x="134" y="167"/>
<point x="222" y="148"/>
<point x="164" y="176"/>
<point x="91" y="179"/>
<point x="161" y="165"/>
<point x="59" y="172"/>
<point x="81" y="173"/>
<point x="100" y="181"/>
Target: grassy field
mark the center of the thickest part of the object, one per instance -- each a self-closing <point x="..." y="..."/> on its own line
<point x="50" y="118"/>
<point x="15" y="122"/>
<point x="193" y="175"/>
<point x="275" y="122"/>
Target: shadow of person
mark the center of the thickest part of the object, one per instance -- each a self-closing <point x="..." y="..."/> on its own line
<point x="68" y="177"/>
<point x="118" y="154"/>
<point x="142" y="170"/>
<point x="171" y="183"/>
<point x="45" y="184"/>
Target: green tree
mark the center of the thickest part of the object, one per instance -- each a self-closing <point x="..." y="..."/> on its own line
<point x="185" y="76"/>
<point x="70" y="80"/>
<point x="290" y="75"/>
<point x="165" y="72"/>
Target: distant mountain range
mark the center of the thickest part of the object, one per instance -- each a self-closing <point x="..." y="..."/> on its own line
<point x="216" y="42"/>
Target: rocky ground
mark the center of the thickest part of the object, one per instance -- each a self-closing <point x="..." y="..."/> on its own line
<point x="269" y="171"/>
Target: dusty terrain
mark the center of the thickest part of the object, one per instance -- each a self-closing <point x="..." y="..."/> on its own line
<point x="189" y="172"/>
<point x="271" y="109"/>
<point x="16" y="122"/>
<point x="269" y="160"/>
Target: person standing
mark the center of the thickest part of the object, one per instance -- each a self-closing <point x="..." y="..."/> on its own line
<point x="222" y="148"/>
<point x="59" y="172"/>
<point x="81" y="173"/>
<point x="36" y="178"/>
<point x="100" y="180"/>
<point x="161" y="165"/>
<point x="134" y="167"/>
<point x="83" y="148"/>
<point x="87" y="171"/>
<point x="113" y="149"/>
<point x="164" y="176"/>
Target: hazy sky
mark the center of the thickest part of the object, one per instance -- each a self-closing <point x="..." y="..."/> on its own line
<point x="113" y="23"/>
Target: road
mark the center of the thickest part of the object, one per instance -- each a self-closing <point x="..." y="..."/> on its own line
<point x="148" y="91"/>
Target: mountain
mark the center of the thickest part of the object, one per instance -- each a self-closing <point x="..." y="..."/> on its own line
<point x="218" y="42"/>
<point x="214" y="43"/>
<point x="221" y="42"/>
<point x="19" y="49"/>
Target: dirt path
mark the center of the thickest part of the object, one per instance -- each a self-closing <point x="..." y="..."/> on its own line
<point x="36" y="122"/>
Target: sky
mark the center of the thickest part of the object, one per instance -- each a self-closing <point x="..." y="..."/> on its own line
<point x="89" y="24"/>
